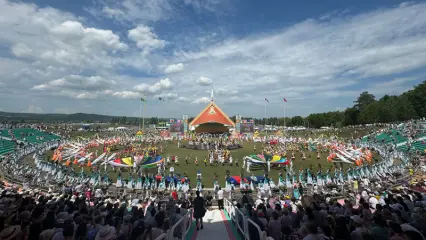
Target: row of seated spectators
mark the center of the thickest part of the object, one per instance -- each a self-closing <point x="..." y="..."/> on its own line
<point x="398" y="215"/>
<point x="54" y="216"/>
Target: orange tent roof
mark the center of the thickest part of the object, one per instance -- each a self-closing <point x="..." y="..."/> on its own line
<point x="212" y="114"/>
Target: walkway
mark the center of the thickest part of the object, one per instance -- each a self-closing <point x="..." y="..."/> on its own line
<point x="217" y="226"/>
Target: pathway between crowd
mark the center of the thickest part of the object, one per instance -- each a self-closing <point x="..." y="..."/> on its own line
<point x="217" y="226"/>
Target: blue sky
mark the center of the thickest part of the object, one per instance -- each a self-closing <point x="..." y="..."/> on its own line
<point x="101" y="56"/>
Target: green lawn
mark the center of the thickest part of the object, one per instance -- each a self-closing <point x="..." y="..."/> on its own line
<point x="238" y="154"/>
<point x="209" y="171"/>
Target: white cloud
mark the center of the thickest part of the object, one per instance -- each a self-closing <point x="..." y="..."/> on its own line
<point x="133" y="10"/>
<point x="335" y="57"/>
<point x="126" y="95"/>
<point x="77" y="82"/>
<point x="182" y="99"/>
<point x="145" y="39"/>
<point x="21" y="50"/>
<point x="225" y="92"/>
<point x="163" y="84"/>
<point x="204" y="81"/>
<point x="317" y="60"/>
<point x="216" y="6"/>
<point x="33" y="109"/>
<point x="174" y="68"/>
<point x="202" y="100"/>
<point x="170" y="96"/>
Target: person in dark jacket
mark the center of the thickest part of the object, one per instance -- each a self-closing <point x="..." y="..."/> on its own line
<point x="199" y="210"/>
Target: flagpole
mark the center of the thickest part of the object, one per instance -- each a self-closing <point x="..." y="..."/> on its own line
<point x="284" y="117"/>
<point x="158" y="110"/>
<point x="140" y="113"/>
<point x="143" y="113"/>
<point x="264" y="121"/>
<point x="143" y="116"/>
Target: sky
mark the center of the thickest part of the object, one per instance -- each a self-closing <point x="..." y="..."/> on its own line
<point x="102" y="56"/>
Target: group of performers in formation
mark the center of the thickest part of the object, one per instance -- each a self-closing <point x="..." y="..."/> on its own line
<point x="288" y="178"/>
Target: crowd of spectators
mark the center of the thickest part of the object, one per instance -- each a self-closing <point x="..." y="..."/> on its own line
<point x="394" y="215"/>
<point x="55" y="216"/>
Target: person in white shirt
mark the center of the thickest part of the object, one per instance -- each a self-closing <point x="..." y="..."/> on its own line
<point x="373" y="202"/>
<point x="220" y="198"/>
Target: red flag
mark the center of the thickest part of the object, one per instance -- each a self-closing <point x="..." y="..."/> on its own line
<point x="285" y="100"/>
<point x="267" y="100"/>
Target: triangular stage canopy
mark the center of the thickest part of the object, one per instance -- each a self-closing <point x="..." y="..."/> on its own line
<point x="212" y="114"/>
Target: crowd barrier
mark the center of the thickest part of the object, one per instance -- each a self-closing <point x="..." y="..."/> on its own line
<point x="242" y="223"/>
<point x="181" y="229"/>
<point x="162" y="236"/>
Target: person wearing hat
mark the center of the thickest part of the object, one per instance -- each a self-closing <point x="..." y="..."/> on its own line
<point x="106" y="233"/>
<point x="10" y="233"/>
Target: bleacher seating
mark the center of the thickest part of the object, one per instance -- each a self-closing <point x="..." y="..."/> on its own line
<point x="6" y="146"/>
<point x="30" y="135"/>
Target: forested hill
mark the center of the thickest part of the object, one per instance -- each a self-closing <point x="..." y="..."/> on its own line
<point x="53" y="117"/>
<point x="74" y="118"/>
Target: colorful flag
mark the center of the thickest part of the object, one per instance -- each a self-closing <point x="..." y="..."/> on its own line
<point x="266" y="100"/>
<point x="143" y="100"/>
<point x="285" y="100"/>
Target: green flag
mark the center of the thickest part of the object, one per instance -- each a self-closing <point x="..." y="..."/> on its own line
<point x="143" y="100"/>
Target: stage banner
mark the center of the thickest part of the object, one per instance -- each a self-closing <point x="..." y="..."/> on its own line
<point x="247" y="126"/>
<point x="238" y="124"/>
<point x="185" y="123"/>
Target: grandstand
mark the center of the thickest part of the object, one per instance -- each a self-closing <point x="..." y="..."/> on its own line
<point x="6" y="147"/>
<point x="28" y="135"/>
<point x="396" y="137"/>
<point x="22" y="135"/>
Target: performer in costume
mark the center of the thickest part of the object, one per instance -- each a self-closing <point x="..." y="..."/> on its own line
<point x="119" y="183"/>
<point x="130" y="182"/>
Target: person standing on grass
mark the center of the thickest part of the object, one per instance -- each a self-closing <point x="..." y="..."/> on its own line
<point x="199" y="210"/>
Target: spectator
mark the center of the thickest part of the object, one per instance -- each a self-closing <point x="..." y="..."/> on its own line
<point x="220" y="198"/>
<point x="274" y="226"/>
<point x="379" y="230"/>
<point x="199" y="210"/>
<point x="253" y="232"/>
<point x="396" y="232"/>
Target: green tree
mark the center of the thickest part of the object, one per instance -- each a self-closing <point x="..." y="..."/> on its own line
<point x="363" y="100"/>
<point x="350" y="116"/>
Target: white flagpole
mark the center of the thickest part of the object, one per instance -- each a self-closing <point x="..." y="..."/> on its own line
<point x="284" y="116"/>
<point x="264" y="121"/>
<point x="140" y="113"/>
<point x="143" y="113"/>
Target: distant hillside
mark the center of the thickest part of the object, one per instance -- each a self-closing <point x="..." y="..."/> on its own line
<point x="51" y="117"/>
<point x="74" y="118"/>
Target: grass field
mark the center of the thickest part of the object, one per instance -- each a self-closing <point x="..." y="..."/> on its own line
<point x="238" y="154"/>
